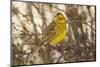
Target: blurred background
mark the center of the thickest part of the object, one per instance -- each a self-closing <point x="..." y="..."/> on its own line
<point x="29" y="19"/>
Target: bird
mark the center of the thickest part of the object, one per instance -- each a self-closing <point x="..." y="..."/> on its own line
<point x="56" y="31"/>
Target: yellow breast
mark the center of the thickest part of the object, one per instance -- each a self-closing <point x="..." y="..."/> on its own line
<point x="60" y="34"/>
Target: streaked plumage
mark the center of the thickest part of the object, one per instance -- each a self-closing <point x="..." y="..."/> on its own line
<point x="56" y="31"/>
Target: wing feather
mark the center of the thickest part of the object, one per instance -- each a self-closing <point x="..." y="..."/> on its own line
<point x="48" y="33"/>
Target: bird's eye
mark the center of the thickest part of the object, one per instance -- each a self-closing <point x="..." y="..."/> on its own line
<point x="60" y="17"/>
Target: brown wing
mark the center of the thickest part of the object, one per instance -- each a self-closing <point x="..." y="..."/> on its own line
<point x="48" y="33"/>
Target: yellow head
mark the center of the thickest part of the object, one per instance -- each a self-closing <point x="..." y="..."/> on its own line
<point x="59" y="18"/>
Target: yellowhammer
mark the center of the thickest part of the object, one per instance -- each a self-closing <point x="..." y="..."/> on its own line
<point x="56" y="31"/>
